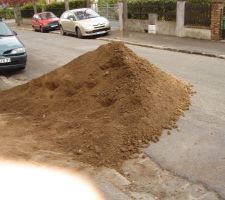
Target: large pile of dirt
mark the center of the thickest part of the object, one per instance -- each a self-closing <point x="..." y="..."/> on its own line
<point x="102" y="106"/>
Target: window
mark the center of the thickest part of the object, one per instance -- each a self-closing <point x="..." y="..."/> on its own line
<point x="71" y="16"/>
<point x="36" y="17"/>
<point x="4" y="30"/>
<point x="85" y="14"/>
<point x="47" y="15"/>
<point x="65" y="15"/>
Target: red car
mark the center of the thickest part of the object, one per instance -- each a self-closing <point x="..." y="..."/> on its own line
<point x="45" y="21"/>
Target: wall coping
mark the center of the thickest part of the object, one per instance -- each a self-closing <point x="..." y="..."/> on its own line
<point x="198" y="27"/>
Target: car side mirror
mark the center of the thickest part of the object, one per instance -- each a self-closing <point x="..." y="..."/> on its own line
<point x="71" y="19"/>
<point x="14" y="32"/>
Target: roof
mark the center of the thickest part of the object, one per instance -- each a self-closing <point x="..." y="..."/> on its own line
<point x="44" y="12"/>
<point x="79" y="9"/>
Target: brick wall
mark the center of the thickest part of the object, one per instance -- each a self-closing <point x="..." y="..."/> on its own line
<point x="216" y="20"/>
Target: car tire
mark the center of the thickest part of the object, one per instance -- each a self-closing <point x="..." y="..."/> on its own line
<point x="106" y="34"/>
<point x="34" y="28"/>
<point x="78" y="32"/>
<point x="62" y="32"/>
<point x="42" y="29"/>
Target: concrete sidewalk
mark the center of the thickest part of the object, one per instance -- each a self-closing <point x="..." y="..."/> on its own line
<point x="164" y="42"/>
<point x="184" y="45"/>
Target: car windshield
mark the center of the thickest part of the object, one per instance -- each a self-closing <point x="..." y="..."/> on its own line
<point x="47" y="15"/>
<point x="4" y="30"/>
<point x="85" y="14"/>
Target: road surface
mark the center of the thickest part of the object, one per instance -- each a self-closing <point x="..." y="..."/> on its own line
<point x="196" y="150"/>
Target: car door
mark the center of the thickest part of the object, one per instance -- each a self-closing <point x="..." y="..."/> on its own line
<point x="64" y="21"/>
<point x="71" y="22"/>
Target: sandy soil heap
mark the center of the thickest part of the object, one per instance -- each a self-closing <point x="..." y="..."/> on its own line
<point x="102" y="106"/>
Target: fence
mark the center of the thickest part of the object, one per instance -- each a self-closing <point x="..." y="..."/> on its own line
<point x="166" y="10"/>
<point x="111" y="12"/>
<point x="197" y="14"/>
<point x="28" y="13"/>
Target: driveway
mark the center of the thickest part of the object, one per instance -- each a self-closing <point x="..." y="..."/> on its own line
<point x="196" y="150"/>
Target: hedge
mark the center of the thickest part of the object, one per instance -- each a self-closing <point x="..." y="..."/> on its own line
<point x="7" y="13"/>
<point x="166" y="9"/>
<point x="57" y="8"/>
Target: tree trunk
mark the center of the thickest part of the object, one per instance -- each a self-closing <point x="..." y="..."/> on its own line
<point x="17" y="13"/>
<point x="67" y="6"/>
<point x="125" y="14"/>
<point x="88" y="3"/>
<point x="35" y="7"/>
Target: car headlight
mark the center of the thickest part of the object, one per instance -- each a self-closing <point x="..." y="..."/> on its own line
<point x="18" y="51"/>
<point x="88" y="27"/>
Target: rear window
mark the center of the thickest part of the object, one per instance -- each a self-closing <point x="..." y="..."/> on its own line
<point x="5" y="30"/>
<point x="48" y="15"/>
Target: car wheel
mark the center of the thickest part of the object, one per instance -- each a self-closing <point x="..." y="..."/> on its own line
<point x="42" y="29"/>
<point x="34" y="28"/>
<point x="62" y="32"/>
<point x="79" y="34"/>
<point x="106" y="34"/>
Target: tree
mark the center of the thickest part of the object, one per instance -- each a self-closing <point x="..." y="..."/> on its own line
<point x="67" y="6"/>
<point x="35" y="6"/>
<point x="17" y="8"/>
<point x="88" y="3"/>
<point x="125" y="14"/>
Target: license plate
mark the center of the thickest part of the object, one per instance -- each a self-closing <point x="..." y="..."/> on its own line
<point x="5" y="60"/>
<point x="101" y="32"/>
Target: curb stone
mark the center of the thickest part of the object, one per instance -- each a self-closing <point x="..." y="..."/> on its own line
<point x="30" y="29"/>
<point x="165" y="48"/>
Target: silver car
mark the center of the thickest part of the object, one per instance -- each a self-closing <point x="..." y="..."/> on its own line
<point x="83" y="22"/>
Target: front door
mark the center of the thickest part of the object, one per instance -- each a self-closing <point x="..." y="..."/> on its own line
<point x="71" y="23"/>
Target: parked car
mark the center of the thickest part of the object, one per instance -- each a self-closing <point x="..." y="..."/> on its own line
<point x="83" y="22"/>
<point x="12" y="52"/>
<point x="45" y="21"/>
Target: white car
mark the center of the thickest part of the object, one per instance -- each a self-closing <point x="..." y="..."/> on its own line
<point x="83" y="22"/>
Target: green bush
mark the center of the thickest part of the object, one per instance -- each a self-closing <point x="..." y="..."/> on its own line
<point x="57" y="8"/>
<point x="61" y="5"/>
<point x="29" y="6"/>
<point x="139" y="9"/>
<point x="77" y="4"/>
<point x="7" y="13"/>
<point x="104" y="2"/>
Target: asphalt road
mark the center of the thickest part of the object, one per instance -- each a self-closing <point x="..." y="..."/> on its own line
<point x="195" y="151"/>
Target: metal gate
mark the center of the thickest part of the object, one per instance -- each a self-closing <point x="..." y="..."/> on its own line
<point x="111" y="12"/>
<point x="223" y="24"/>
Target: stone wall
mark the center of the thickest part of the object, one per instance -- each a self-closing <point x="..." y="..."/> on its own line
<point x="163" y="27"/>
<point x="26" y="21"/>
<point x="169" y="28"/>
<point x="198" y="33"/>
<point x="137" y="25"/>
<point x="166" y="27"/>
